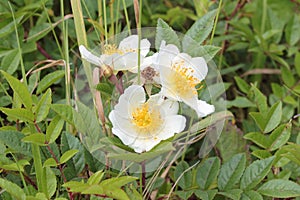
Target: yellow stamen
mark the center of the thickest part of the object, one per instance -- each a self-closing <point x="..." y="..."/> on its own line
<point x="184" y="82"/>
<point x="146" y="120"/>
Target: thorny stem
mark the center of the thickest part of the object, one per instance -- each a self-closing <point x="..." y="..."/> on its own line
<point x="143" y="165"/>
<point x="43" y="51"/>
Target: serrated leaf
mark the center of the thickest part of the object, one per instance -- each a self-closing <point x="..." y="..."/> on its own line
<point x="54" y="129"/>
<point x="43" y="106"/>
<point x="36" y="138"/>
<point x="258" y="138"/>
<point x="279" y="188"/>
<point x="184" y="176"/>
<point x="234" y="194"/>
<point x="11" y="61"/>
<point x="13" y="189"/>
<point x="250" y="195"/>
<point x="255" y="172"/>
<point x="200" y="29"/>
<point x="166" y="33"/>
<point x="13" y="139"/>
<point x="49" y="79"/>
<point x="231" y="172"/>
<point x="208" y="52"/>
<point x="19" y="89"/>
<point x="117" y="182"/>
<point x="280" y="136"/>
<point x="67" y="155"/>
<point x="206" y="194"/>
<point x="207" y="172"/>
<point x="21" y="114"/>
<point x="259" y="120"/>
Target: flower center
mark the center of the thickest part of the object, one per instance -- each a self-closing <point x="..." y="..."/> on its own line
<point x="145" y="119"/>
<point x="185" y="82"/>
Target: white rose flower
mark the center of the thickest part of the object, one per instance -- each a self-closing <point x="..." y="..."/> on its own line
<point x="179" y="76"/>
<point x="124" y="57"/>
<point x="142" y="124"/>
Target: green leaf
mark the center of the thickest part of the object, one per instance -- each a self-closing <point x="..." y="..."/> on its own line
<point x="77" y="163"/>
<point x="255" y="172"/>
<point x="279" y="188"/>
<point x="13" y="139"/>
<point x="258" y="138"/>
<point x="274" y="117"/>
<point x="39" y="31"/>
<point x="261" y="154"/>
<point x="36" y="138"/>
<point x="12" y="189"/>
<point x="166" y="33"/>
<point x="21" y="114"/>
<point x="292" y="30"/>
<point x="54" y="129"/>
<point x="51" y="182"/>
<point x="117" y="182"/>
<point x="159" y="150"/>
<point x="43" y="106"/>
<point x="231" y="172"/>
<point x="297" y="63"/>
<point x="184" y="194"/>
<point x="287" y="77"/>
<point x="259" y="120"/>
<point x="67" y="155"/>
<point x="250" y="195"/>
<point x="184" y="176"/>
<point x="203" y="123"/>
<point x="260" y="99"/>
<point x="280" y="136"/>
<point x="50" y="162"/>
<point x="234" y="194"/>
<point x="207" y="172"/>
<point x="208" y="52"/>
<point x="19" y="89"/>
<point x="11" y="61"/>
<point x="64" y="111"/>
<point x="49" y="79"/>
<point x="9" y="27"/>
<point x="240" y="102"/>
<point x="200" y="30"/>
<point x="95" y="178"/>
<point x="206" y="194"/>
<point x="16" y="166"/>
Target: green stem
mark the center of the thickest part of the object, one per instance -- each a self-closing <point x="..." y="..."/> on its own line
<point x="105" y="21"/>
<point x="21" y="175"/>
<point x="215" y="23"/>
<point x="126" y="17"/>
<point x="263" y="18"/>
<point x="81" y="36"/>
<point x="19" y="46"/>
<point x="111" y="7"/>
<point x="41" y="180"/>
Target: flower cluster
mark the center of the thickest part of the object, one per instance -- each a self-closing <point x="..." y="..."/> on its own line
<point x="142" y="122"/>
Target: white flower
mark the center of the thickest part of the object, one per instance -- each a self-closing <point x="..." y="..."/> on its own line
<point x="142" y="124"/>
<point x="179" y="76"/>
<point x="124" y="57"/>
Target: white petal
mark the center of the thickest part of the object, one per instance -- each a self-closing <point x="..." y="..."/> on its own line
<point x="170" y="107"/>
<point x="145" y="47"/>
<point x="204" y="108"/>
<point x="173" y="124"/>
<point x="140" y="145"/>
<point x="200" y="67"/>
<point x="89" y="56"/>
<point x="131" y="42"/>
<point x="133" y="96"/>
